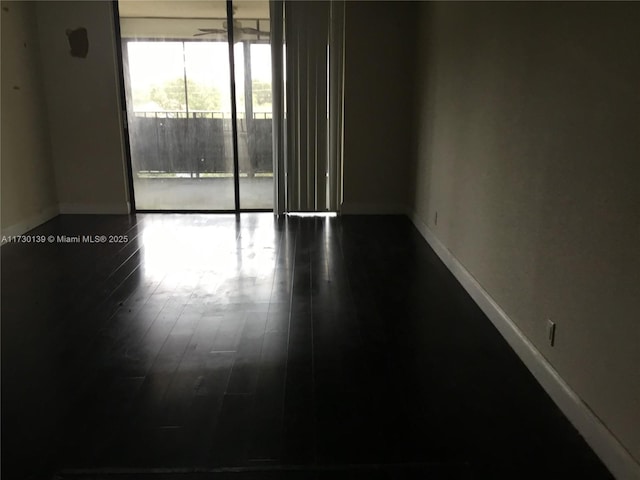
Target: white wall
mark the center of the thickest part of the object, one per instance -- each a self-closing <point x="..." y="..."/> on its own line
<point x="379" y="56"/>
<point x="84" y="109"/>
<point x="529" y="151"/>
<point x="28" y="184"/>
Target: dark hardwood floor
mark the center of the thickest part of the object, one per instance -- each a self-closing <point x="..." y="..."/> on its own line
<point x="298" y="348"/>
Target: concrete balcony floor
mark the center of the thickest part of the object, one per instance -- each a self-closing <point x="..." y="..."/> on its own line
<point x="202" y="193"/>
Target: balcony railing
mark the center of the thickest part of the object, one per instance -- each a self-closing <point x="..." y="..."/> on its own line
<point x="172" y="142"/>
<point x="201" y="114"/>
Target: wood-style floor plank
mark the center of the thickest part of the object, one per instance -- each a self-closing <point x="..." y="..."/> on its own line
<point x="285" y="348"/>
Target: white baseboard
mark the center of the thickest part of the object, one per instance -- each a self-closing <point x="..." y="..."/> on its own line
<point x="95" y="208"/>
<point x="24" y="226"/>
<point x="612" y="453"/>
<point x="355" y="208"/>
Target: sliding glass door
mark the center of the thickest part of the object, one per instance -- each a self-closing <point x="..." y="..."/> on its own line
<point x="199" y="113"/>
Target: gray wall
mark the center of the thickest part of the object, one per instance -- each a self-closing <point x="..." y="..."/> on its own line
<point x="28" y="185"/>
<point x="529" y="151"/>
<point x="62" y="144"/>
<point x="527" y="144"/>
<point x="83" y="106"/>
<point x="379" y="60"/>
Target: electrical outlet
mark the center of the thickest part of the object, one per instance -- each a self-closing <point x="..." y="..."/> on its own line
<point x="435" y="221"/>
<point x="551" y="332"/>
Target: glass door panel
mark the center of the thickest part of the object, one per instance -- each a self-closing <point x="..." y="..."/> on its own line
<point x="211" y="135"/>
<point x="179" y="125"/>
<point x="252" y="57"/>
<point x="178" y="85"/>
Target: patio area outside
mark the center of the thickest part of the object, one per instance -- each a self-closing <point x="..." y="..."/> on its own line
<point x="204" y="193"/>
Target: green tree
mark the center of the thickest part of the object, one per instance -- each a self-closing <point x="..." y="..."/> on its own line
<point x="203" y="97"/>
<point x="261" y="92"/>
<point x="171" y="95"/>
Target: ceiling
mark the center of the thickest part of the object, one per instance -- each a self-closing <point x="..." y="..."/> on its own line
<point x="183" y="19"/>
<point x="192" y="9"/>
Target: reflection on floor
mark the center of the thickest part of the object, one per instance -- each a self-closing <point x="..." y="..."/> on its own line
<point x="292" y="348"/>
<point x="202" y="193"/>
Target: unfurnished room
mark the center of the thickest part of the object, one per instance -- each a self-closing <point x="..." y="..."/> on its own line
<point x="309" y="240"/>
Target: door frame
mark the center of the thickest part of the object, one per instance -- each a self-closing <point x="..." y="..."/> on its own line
<point x="234" y="123"/>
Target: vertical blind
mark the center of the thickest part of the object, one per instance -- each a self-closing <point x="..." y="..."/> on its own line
<point x="308" y="104"/>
